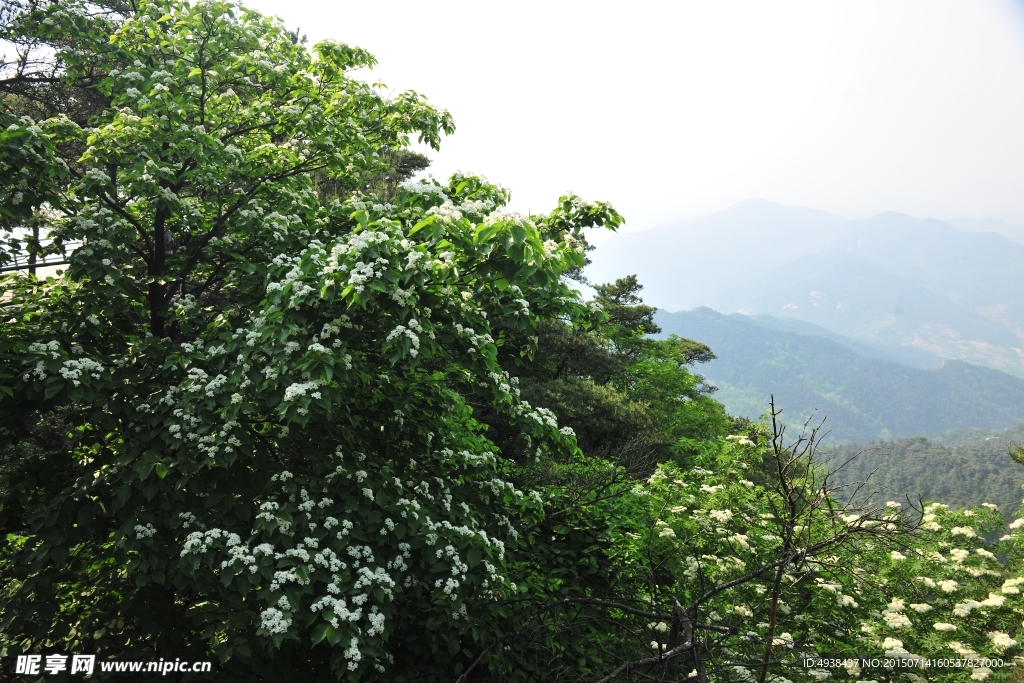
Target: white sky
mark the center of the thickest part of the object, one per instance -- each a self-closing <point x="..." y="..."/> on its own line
<point x="673" y="109"/>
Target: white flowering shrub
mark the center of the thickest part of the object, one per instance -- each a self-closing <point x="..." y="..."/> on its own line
<point x="242" y="423"/>
<point x="746" y="554"/>
<point x="952" y="593"/>
<point x="747" y="550"/>
<point x="262" y="446"/>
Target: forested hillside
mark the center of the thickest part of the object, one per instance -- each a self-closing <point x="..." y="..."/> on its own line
<point x="866" y="391"/>
<point x="294" y="414"/>
<point x="967" y="474"/>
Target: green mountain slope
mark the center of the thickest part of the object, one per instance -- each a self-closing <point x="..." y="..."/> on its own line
<point x="968" y="474"/>
<point x="863" y="397"/>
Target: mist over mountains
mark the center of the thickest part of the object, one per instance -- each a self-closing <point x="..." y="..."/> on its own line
<point x="919" y="284"/>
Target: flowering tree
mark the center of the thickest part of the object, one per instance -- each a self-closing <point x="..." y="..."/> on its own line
<point x="237" y="423"/>
<point x="241" y="423"/>
<point x="743" y="565"/>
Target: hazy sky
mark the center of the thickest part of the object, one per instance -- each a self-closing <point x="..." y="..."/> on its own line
<point x="673" y="109"/>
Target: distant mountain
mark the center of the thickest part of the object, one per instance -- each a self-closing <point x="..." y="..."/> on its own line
<point x="904" y="355"/>
<point x="1014" y="233"/>
<point x="866" y="391"/>
<point x="852" y="296"/>
<point x="965" y="474"/>
<point x="692" y="262"/>
<point x="891" y="279"/>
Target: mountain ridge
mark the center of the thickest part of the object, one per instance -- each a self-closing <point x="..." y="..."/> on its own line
<point x="863" y="397"/>
<point x="889" y="279"/>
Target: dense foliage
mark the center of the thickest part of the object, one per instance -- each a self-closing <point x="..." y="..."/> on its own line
<point x="622" y="392"/>
<point x="963" y="475"/>
<point x="285" y="411"/>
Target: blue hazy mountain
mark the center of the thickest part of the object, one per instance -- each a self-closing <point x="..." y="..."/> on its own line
<point x="866" y="390"/>
<point x="894" y="280"/>
<point x="693" y="262"/>
<point x="1014" y="233"/>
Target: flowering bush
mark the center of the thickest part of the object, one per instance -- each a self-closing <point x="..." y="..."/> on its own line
<point x="242" y="422"/>
<point x="262" y="443"/>
<point x="748" y="552"/>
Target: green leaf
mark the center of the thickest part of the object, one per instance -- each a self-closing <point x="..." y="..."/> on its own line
<point x="53" y="387"/>
<point x="429" y="220"/>
<point x="322" y="631"/>
<point x="518" y="234"/>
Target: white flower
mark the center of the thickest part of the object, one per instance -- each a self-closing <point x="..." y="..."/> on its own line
<point x="993" y="600"/>
<point x="274" y="621"/>
<point x="298" y="389"/>
<point x="897" y="555"/>
<point x="896" y="620"/>
<point x="962" y="650"/>
<point x="146" y="531"/>
<point x="784" y="640"/>
<point x="959" y="554"/>
<point x="948" y="586"/>
<point x="721" y="516"/>
<point x="941" y="626"/>
<point x="963" y="531"/>
<point x="1001" y="640"/>
<point x="1010" y="586"/>
<point x="892" y="615"/>
<point x="921" y="607"/>
<point x="962" y="609"/>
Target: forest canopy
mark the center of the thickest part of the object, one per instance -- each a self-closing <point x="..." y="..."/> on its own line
<point x="291" y="410"/>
